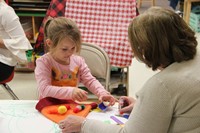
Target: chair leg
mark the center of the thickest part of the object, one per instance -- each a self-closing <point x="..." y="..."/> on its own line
<point x="153" y="3"/>
<point x="139" y="3"/>
<point x="9" y="90"/>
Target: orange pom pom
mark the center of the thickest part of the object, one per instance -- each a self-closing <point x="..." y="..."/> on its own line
<point x="53" y="111"/>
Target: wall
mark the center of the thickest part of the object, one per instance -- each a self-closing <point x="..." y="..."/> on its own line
<point x="138" y="75"/>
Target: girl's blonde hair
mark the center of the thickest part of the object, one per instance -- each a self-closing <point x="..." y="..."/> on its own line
<point x="56" y="29"/>
<point x="160" y="37"/>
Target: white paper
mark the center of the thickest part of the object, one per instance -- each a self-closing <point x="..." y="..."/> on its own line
<point x="22" y="117"/>
<point x="105" y="115"/>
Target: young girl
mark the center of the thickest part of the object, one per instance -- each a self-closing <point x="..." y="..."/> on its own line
<point x="59" y="71"/>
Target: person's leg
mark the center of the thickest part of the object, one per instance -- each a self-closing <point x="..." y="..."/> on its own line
<point x="5" y="71"/>
<point x="173" y="3"/>
<point x="181" y="3"/>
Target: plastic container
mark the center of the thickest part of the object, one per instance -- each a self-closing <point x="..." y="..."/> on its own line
<point x="195" y="19"/>
<point x="27" y="26"/>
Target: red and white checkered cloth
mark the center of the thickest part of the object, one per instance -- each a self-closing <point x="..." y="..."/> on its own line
<point x="105" y="23"/>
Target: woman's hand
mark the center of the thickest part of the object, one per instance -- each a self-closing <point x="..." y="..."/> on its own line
<point x="71" y="124"/>
<point x="127" y="104"/>
<point x="79" y="95"/>
<point x="108" y="98"/>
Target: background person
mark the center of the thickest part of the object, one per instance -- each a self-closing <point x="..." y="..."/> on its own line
<point x="13" y="41"/>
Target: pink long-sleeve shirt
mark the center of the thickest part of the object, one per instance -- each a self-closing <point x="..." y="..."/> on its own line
<point x="58" y="81"/>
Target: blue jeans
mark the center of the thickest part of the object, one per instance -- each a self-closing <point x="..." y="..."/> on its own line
<point x="174" y="3"/>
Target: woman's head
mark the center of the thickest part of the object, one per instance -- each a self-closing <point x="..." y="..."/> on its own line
<point x="159" y="37"/>
<point x="57" y="29"/>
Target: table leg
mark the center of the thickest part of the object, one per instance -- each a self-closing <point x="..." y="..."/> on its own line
<point x="184" y="10"/>
<point x="188" y="10"/>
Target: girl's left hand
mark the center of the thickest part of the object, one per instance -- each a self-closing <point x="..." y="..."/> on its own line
<point x="79" y="95"/>
<point x="71" y="124"/>
<point x="108" y="98"/>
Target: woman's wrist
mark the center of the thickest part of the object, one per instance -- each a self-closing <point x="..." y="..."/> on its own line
<point x="83" y="123"/>
<point x="2" y="43"/>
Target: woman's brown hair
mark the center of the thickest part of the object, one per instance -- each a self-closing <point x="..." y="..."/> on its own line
<point x="160" y="37"/>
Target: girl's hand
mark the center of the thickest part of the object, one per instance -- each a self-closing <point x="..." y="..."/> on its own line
<point x="79" y="95"/>
<point x="71" y="124"/>
<point x="127" y="105"/>
<point x="108" y="98"/>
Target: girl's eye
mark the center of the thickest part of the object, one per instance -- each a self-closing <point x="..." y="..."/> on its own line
<point x="65" y="49"/>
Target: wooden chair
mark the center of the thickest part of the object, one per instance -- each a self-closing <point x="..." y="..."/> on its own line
<point x="7" y="88"/>
<point x="187" y="9"/>
<point x="139" y="3"/>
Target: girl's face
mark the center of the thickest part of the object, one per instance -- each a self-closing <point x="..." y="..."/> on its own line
<point x="63" y="51"/>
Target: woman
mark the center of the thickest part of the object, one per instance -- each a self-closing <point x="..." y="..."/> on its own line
<point x="169" y="101"/>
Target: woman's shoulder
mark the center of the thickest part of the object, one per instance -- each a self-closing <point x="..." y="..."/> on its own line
<point x="5" y="9"/>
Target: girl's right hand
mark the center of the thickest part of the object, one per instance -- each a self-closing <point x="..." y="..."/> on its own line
<point x="130" y="104"/>
<point x="79" y="95"/>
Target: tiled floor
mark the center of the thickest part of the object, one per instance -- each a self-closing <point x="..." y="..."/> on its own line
<point x="24" y="84"/>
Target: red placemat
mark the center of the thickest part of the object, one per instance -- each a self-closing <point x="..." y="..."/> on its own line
<point x="48" y="105"/>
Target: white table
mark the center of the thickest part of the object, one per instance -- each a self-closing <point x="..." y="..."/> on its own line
<point x="20" y="116"/>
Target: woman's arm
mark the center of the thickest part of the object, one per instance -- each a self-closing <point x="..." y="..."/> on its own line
<point x="13" y="38"/>
<point x="152" y="113"/>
